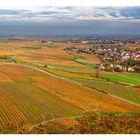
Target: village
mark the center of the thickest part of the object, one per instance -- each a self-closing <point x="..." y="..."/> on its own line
<point x="114" y="57"/>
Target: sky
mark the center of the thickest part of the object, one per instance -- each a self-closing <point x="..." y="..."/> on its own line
<point x="69" y="20"/>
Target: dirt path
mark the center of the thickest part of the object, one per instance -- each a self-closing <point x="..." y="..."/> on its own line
<point x="50" y="74"/>
<point x="124" y="100"/>
<point x="53" y="75"/>
<point x="79" y="84"/>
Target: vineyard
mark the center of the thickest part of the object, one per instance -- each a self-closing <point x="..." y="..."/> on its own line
<point x="46" y="83"/>
<point x="29" y="96"/>
<point x="83" y="97"/>
<point x="125" y="92"/>
<point x="23" y="103"/>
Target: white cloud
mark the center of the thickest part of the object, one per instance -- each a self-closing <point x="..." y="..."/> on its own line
<point x="17" y="3"/>
<point x="52" y="13"/>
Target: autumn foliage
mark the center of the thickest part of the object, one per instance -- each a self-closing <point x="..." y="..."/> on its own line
<point x="90" y="123"/>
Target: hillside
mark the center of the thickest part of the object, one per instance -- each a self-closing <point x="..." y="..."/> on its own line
<point x="42" y="82"/>
<point x="29" y="96"/>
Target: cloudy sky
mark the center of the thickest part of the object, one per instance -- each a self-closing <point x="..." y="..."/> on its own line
<point x="69" y="20"/>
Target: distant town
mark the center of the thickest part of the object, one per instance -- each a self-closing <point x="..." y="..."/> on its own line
<point x="120" y="55"/>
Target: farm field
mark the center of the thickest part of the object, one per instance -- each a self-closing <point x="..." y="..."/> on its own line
<point x="48" y="53"/>
<point x="23" y="102"/>
<point x="41" y="82"/>
<point x="36" y="99"/>
<point x="125" y="92"/>
<point x="128" y="79"/>
<point x="125" y="79"/>
<point x="54" y="54"/>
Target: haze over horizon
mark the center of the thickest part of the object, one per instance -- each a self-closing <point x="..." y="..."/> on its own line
<point x="69" y="20"/>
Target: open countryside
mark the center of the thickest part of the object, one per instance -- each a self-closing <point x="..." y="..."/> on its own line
<point x="41" y="81"/>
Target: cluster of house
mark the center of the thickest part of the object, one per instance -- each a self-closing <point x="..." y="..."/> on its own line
<point x="114" y="58"/>
<point x="122" y="60"/>
<point x="116" y="67"/>
<point x="110" y="41"/>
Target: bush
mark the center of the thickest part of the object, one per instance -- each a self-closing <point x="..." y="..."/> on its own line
<point x="137" y="69"/>
<point x="117" y="69"/>
<point x="93" y="122"/>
